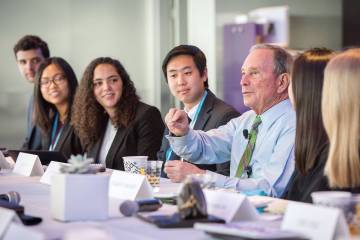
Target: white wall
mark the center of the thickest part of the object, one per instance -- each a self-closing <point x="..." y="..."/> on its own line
<point x="201" y="27"/>
<point x="79" y="31"/>
<point x="139" y="33"/>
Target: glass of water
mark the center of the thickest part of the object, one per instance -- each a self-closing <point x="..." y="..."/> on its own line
<point x="153" y="172"/>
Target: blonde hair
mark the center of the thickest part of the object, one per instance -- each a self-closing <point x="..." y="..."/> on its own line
<point x="341" y="116"/>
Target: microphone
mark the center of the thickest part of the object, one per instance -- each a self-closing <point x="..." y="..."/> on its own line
<point x="246" y="133"/>
<point x="248" y="170"/>
<point x="129" y="208"/>
<point x="11" y="197"/>
<point x="20" y="211"/>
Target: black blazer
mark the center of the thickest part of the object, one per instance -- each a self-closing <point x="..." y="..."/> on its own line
<point x="213" y="114"/>
<point x="141" y="138"/>
<point x="301" y="186"/>
<point x="69" y="144"/>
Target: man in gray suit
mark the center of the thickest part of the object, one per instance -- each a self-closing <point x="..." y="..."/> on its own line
<point x="185" y="71"/>
<point x="30" y="51"/>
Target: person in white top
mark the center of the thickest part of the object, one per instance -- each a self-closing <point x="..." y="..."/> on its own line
<point x="109" y="118"/>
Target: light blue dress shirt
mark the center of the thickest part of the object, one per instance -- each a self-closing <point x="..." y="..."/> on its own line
<point x="272" y="161"/>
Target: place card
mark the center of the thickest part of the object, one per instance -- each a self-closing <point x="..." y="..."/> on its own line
<point x="6" y="162"/>
<point x="230" y="206"/>
<point x="17" y="231"/>
<point x="6" y="216"/>
<point x="129" y="186"/>
<point x="315" y="222"/>
<point x="51" y="170"/>
<point x="28" y="165"/>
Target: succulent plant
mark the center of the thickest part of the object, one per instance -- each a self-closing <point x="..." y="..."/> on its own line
<point x="79" y="164"/>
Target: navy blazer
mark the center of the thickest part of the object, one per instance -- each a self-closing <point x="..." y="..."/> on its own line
<point x="213" y="114"/>
<point x="141" y="138"/>
<point x="33" y="133"/>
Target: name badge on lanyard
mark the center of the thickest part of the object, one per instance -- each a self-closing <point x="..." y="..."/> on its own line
<point x="55" y="137"/>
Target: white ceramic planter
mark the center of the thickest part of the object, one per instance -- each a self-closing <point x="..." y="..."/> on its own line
<point x="76" y="197"/>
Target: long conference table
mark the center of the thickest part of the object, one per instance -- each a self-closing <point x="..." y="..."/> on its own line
<point x="35" y="197"/>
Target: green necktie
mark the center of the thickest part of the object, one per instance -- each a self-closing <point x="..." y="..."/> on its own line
<point x="246" y="157"/>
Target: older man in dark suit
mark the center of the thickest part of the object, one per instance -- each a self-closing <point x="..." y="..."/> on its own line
<point x="185" y="70"/>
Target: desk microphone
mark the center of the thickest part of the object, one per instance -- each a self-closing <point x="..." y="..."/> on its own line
<point x="129" y="208"/>
<point x="11" y="197"/>
<point x="20" y="211"/>
<point x="248" y="170"/>
<point x="246" y="133"/>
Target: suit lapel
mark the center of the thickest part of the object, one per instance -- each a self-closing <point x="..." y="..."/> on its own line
<point x="205" y="112"/>
<point x="64" y="135"/>
<point x="118" y="140"/>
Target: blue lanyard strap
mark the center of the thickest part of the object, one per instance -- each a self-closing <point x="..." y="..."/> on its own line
<point x="53" y="133"/>
<point x="192" y="124"/>
<point x="198" y="110"/>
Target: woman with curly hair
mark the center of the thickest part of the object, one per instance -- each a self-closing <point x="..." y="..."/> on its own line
<point x="109" y="118"/>
<point x="55" y="86"/>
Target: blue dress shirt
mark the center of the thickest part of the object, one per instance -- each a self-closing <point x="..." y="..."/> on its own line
<point x="272" y="161"/>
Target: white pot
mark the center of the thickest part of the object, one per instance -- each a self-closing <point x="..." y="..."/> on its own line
<point x="76" y="197"/>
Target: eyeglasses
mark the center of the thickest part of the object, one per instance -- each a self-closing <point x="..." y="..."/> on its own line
<point x="57" y="80"/>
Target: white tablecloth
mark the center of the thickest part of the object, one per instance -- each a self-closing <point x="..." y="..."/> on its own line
<point x="35" y="198"/>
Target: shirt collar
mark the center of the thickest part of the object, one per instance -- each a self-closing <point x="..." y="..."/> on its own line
<point x="272" y="114"/>
<point x="193" y="110"/>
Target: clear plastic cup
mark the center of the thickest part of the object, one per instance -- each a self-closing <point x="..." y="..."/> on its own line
<point x="153" y="172"/>
<point x="206" y="181"/>
<point x="335" y="199"/>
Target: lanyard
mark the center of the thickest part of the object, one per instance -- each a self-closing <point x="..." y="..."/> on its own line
<point x="192" y="124"/>
<point x="53" y="133"/>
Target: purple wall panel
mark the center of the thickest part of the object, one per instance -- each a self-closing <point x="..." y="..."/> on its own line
<point x="238" y="39"/>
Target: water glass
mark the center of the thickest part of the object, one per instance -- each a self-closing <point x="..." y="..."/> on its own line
<point x="153" y="172"/>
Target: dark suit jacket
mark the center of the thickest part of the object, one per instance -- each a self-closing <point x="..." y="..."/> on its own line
<point x="33" y="140"/>
<point x="141" y="138"/>
<point x="33" y="134"/>
<point x="213" y="114"/>
<point x="301" y="186"/>
<point x="69" y="144"/>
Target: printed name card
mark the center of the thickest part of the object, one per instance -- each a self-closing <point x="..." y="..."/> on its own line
<point x="6" y="162"/>
<point x="28" y="165"/>
<point x="17" y="231"/>
<point x="6" y="216"/>
<point x="51" y="170"/>
<point x="129" y="186"/>
<point x="315" y="222"/>
<point x="230" y="206"/>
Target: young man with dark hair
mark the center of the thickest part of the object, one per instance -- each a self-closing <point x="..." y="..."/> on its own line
<point x="30" y="51"/>
<point x="185" y="71"/>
